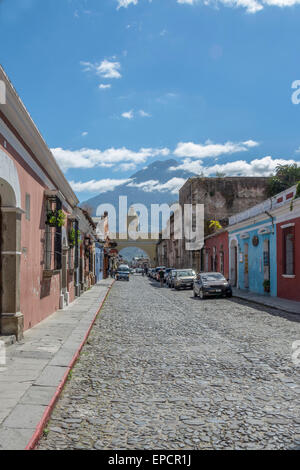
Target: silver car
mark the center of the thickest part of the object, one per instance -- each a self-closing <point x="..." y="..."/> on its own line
<point x="184" y="279"/>
<point x="170" y="278"/>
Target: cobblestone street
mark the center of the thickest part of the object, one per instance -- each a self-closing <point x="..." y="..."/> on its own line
<point x="164" y="370"/>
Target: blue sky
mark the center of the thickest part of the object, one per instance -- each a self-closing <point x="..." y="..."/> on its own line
<point x="115" y="84"/>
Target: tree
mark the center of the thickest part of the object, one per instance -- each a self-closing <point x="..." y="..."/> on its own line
<point x="285" y="177"/>
<point x="215" y="225"/>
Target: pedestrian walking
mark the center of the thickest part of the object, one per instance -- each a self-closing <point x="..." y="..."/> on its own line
<point x="161" y="277"/>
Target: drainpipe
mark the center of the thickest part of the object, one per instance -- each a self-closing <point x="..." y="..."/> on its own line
<point x="271" y="217"/>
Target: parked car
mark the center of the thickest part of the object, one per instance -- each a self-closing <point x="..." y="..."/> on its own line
<point x="210" y="284"/>
<point x="170" y="278"/>
<point x="184" y="278"/>
<point x="167" y="273"/>
<point x="123" y="272"/>
<point x="139" y="270"/>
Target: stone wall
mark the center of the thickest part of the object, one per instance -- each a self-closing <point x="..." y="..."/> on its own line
<point x="222" y="198"/>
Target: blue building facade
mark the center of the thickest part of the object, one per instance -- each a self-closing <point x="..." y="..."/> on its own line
<point x="255" y="242"/>
<point x="252" y="254"/>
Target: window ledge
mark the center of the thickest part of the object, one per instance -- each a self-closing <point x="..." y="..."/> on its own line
<point x="289" y="276"/>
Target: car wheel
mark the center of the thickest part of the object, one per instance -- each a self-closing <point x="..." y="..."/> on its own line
<point x="229" y="295"/>
<point x="201" y="294"/>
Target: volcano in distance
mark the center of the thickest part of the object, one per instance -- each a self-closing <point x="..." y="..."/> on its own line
<point x="157" y="173"/>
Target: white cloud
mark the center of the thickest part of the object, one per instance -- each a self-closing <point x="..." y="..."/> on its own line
<point x="104" y="87"/>
<point x="143" y="113"/>
<point x="126" y="167"/>
<point x="257" y="167"/>
<point x="91" y="158"/>
<point x="128" y="114"/>
<point x="106" y="69"/>
<point x="188" y="2"/>
<point x="193" y="166"/>
<point x="173" y="185"/>
<point x="209" y="149"/>
<point x="99" y="186"/>
<point x="131" y="114"/>
<point x="251" y="6"/>
<point x="126" y="3"/>
<point x="84" y="134"/>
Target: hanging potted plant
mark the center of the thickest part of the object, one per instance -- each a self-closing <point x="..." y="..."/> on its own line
<point x="61" y="218"/>
<point x="78" y="237"/>
<point x="267" y="285"/>
<point x="56" y="218"/>
<point x="72" y="237"/>
<point x="51" y="218"/>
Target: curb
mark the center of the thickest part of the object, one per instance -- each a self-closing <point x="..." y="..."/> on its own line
<point x="257" y="302"/>
<point x="47" y="413"/>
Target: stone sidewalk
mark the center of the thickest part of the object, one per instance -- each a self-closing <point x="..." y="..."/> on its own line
<point x="36" y="367"/>
<point x="285" y="305"/>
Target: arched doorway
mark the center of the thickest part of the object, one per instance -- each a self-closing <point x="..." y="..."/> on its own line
<point x="11" y="320"/>
<point x="234" y="262"/>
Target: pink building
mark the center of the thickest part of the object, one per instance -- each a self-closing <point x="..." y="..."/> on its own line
<point x="40" y="234"/>
<point x="215" y="254"/>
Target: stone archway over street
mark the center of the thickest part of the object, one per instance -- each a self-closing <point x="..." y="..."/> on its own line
<point x="148" y="245"/>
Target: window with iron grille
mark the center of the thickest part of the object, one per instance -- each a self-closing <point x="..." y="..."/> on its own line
<point x="76" y="261"/>
<point x="71" y="247"/>
<point x="222" y="262"/>
<point x="48" y="241"/>
<point x="90" y="262"/>
<point x="288" y="251"/>
<point x="58" y="240"/>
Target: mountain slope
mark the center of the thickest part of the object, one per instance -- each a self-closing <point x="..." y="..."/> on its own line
<point x="158" y="171"/>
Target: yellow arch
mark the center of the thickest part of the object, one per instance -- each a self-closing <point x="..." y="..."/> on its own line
<point x="148" y="245"/>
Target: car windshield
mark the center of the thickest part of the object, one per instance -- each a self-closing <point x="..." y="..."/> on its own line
<point x="213" y="277"/>
<point x="123" y="269"/>
<point x="188" y="272"/>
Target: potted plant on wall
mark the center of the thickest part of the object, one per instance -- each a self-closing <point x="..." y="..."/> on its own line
<point x="267" y="285"/>
<point x="72" y="238"/>
<point x="56" y="218"/>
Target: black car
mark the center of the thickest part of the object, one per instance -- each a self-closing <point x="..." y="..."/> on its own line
<point x="211" y="284"/>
